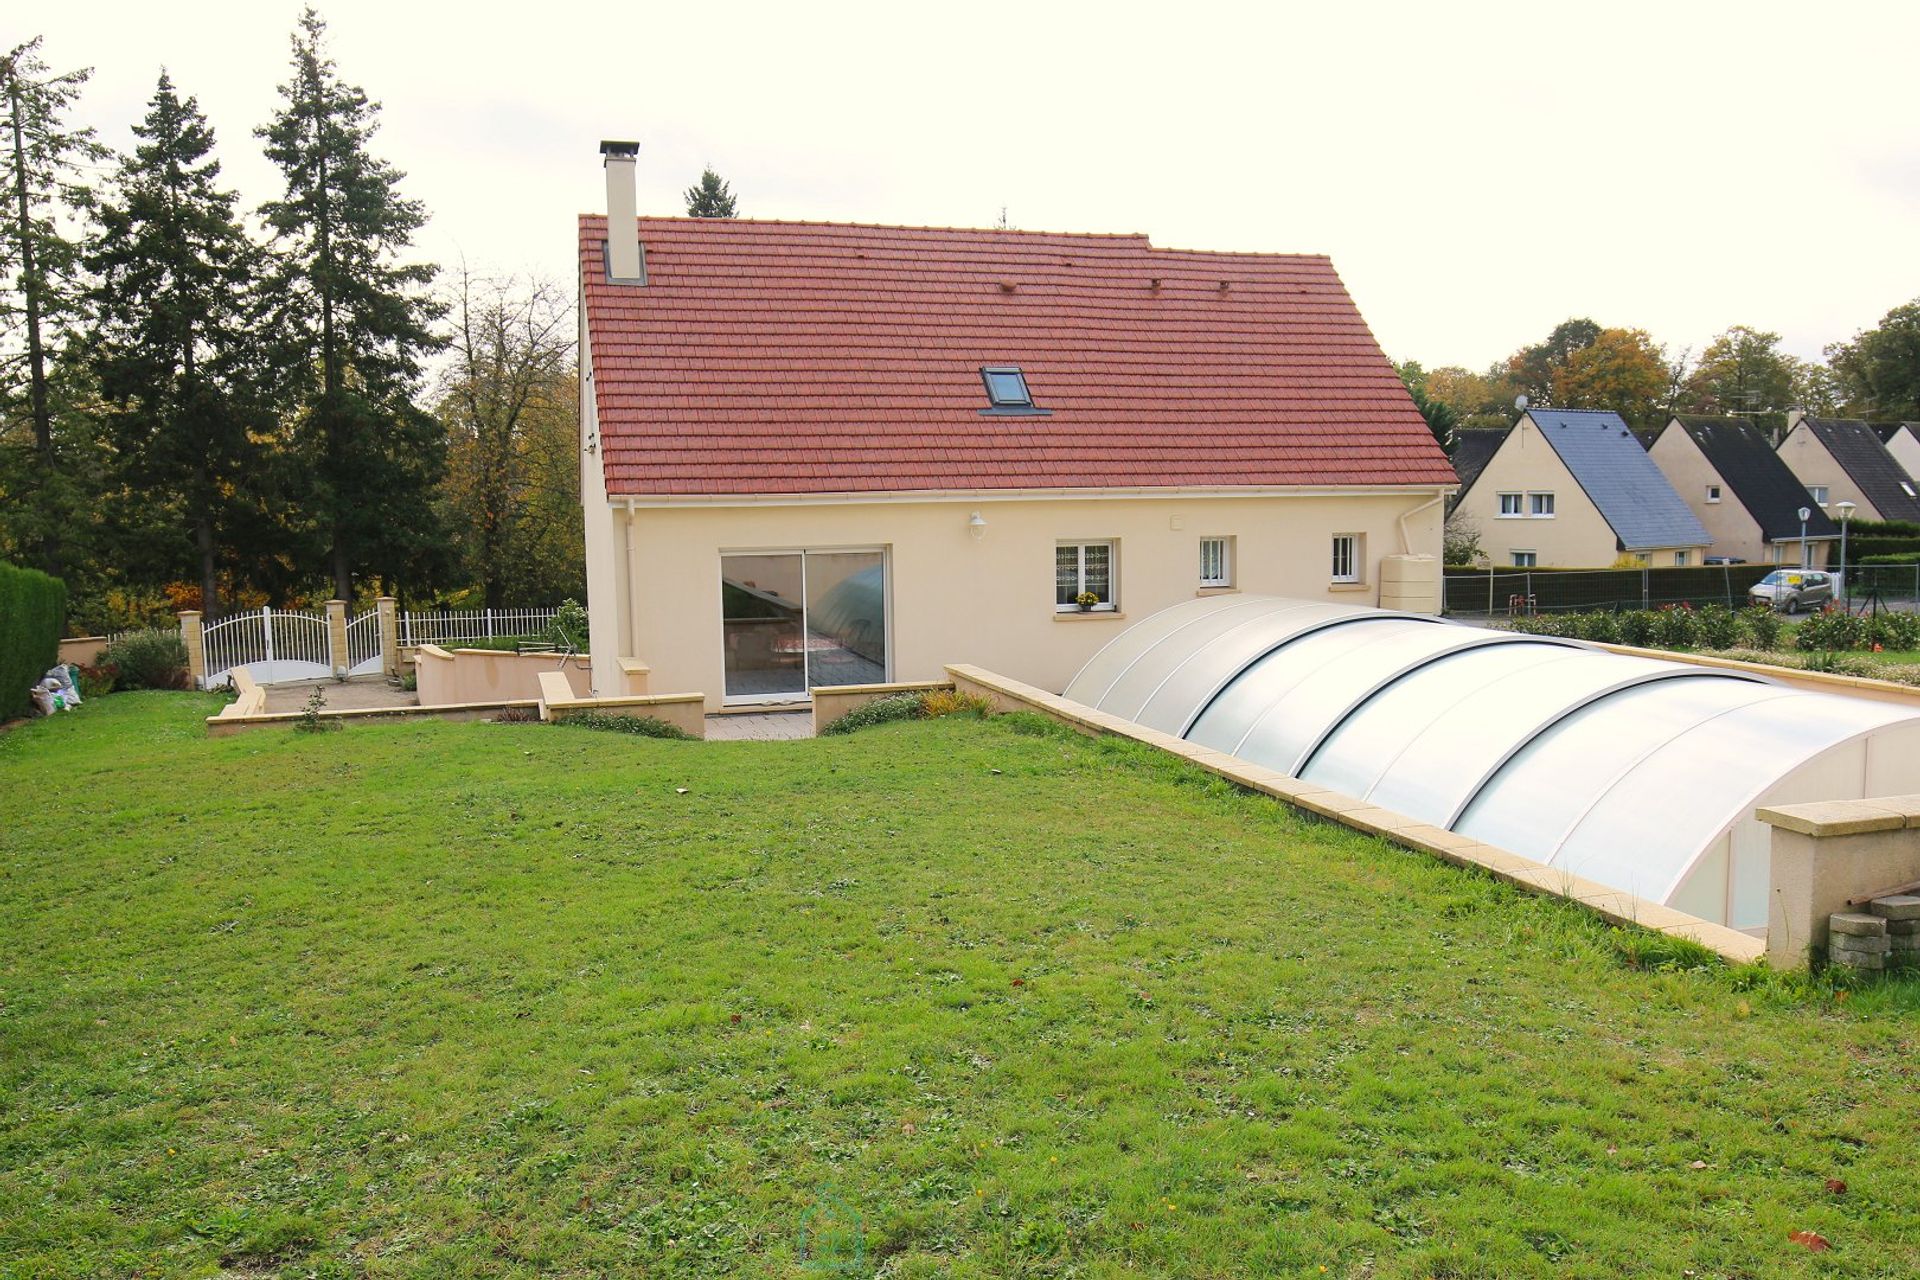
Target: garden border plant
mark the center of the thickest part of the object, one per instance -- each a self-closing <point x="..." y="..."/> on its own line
<point x="32" y="607"/>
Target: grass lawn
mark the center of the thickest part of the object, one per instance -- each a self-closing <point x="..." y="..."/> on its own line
<point x="464" y="999"/>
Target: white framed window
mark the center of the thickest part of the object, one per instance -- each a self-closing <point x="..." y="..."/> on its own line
<point x="1818" y="493"/>
<point x="1680" y="559"/>
<point x="1512" y="504"/>
<point x="1216" y="562"/>
<point x="1905" y="488"/>
<point x="1540" y="506"/>
<point x="1525" y="559"/>
<point x="1347" y="557"/>
<point x="1713" y="493"/>
<point x="1080" y="568"/>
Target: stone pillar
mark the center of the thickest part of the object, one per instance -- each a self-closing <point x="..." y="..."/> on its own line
<point x="389" y="625"/>
<point x="337" y="638"/>
<point x="191" y="637"/>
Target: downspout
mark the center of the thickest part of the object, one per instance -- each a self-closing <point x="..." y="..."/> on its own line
<point x="633" y="594"/>
<point x="1406" y="539"/>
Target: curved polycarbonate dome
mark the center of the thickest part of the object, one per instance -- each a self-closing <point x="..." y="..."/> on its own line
<point x="1634" y="772"/>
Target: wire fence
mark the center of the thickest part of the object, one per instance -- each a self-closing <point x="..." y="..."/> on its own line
<point x="1508" y="592"/>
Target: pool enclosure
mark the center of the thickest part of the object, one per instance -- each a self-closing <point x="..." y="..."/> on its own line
<point x="1638" y="773"/>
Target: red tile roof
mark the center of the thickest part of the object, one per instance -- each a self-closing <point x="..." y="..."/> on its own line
<point x="785" y="357"/>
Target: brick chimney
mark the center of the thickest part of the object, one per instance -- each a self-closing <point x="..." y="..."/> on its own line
<point x="624" y="261"/>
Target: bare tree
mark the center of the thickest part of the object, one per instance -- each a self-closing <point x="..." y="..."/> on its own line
<point x="507" y="401"/>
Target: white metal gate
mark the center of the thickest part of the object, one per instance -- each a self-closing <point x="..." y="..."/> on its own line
<point x="272" y="645"/>
<point x="363" y="644"/>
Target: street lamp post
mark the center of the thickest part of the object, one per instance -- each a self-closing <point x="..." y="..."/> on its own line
<point x="1846" y="579"/>
<point x="1806" y="514"/>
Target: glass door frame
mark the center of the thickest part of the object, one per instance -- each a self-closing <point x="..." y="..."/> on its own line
<point x="805" y="696"/>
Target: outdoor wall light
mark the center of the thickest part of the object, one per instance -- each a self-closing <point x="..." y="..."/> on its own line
<point x="978" y="524"/>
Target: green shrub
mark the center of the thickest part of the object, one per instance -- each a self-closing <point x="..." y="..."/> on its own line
<point x="641" y="726"/>
<point x="900" y="706"/>
<point x="1675" y="627"/>
<point x="1637" y="628"/>
<point x="1762" y="626"/>
<point x="1601" y="627"/>
<point x="1829" y="631"/>
<point x="97" y="681"/>
<point x="1894" y="630"/>
<point x="148" y="660"/>
<point x="33" y="607"/>
<point x="1718" y="627"/>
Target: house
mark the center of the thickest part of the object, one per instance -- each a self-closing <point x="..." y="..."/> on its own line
<point x="1473" y="449"/>
<point x="824" y="454"/>
<point x="1842" y="460"/>
<point x="1903" y="442"/>
<point x="1573" y="488"/>
<point x="1727" y="472"/>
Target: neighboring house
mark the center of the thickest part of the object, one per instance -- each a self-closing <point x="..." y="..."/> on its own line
<point x="820" y="454"/>
<point x="1903" y="442"/>
<point x="1473" y="449"/>
<point x="1727" y="472"/>
<point x="1573" y="488"/>
<point x="1842" y="460"/>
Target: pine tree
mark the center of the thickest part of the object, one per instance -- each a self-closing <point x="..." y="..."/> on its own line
<point x="176" y="311"/>
<point x="354" y="323"/>
<point x="42" y="164"/>
<point x="710" y="197"/>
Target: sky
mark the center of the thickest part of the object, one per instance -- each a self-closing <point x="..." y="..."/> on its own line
<point x="1478" y="172"/>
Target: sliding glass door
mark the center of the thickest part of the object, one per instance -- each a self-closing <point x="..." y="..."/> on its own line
<point x="796" y="620"/>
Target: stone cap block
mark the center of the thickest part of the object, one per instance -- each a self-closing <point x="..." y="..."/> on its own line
<point x="1824" y="818"/>
<point x="1901" y="906"/>
<point x="1857" y="924"/>
<point x="1847" y="942"/>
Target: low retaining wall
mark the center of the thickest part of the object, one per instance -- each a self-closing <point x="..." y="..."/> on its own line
<point x="454" y="677"/>
<point x="82" y="651"/>
<point x="1816" y="681"/>
<point x="1612" y="904"/>
<point x="834" y="701"/>
<point x="1835" y="856"/>
<point x="223" y="725"/>
<point x="686" y="712"/>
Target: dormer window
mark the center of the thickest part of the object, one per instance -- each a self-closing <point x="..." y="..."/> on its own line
<point x="1007" y="390"/>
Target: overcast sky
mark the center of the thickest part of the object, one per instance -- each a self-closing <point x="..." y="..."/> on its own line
<point x="1478" y="172"/>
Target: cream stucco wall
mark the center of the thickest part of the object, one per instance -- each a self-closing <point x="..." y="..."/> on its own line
<point x="1905" y="449"/>
<point x="1734" y="529"/>
<point x="1809" y="460"/>
<point x="952" y="597"/>
<point x="1576" y="536"/>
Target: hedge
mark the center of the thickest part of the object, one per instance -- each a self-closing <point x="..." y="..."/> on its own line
<point x="33" y="610"/>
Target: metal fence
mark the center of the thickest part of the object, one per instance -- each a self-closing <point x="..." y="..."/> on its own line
<point x="272" y="644"/>
<point x="1502" y="592"/>
<point x="441" y="626"/>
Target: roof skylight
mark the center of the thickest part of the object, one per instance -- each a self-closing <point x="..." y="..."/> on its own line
<point x="1006" y="387"/>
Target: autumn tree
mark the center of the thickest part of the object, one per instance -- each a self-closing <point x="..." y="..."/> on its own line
<point x="43" y="163"/>
<point x="1480" y="399"/>
<point x="509" y="404"/>
<point x="710" y="197"/>
<point x="1742" y="372"/>
<point x="353" y="324"/>
<point x="174" y="347"/>
<point x="1621" y="369"/>
<point x="1532" y="369"/>
<point x="1878" y="372"/>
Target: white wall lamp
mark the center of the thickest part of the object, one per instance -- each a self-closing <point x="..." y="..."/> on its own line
<point x="977" y="524"/>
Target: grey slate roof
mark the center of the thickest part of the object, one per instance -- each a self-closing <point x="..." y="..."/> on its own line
<point x="1473" y="448"/>
<point x="1620" y="479"/>
<point x="1759" y="479"/>
<point x="1857" y="448"/>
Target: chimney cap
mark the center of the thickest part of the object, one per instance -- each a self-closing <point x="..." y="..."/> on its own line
<point x="619" y="148"/>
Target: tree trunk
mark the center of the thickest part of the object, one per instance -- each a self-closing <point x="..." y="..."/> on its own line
<point x="50" y="556"/>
